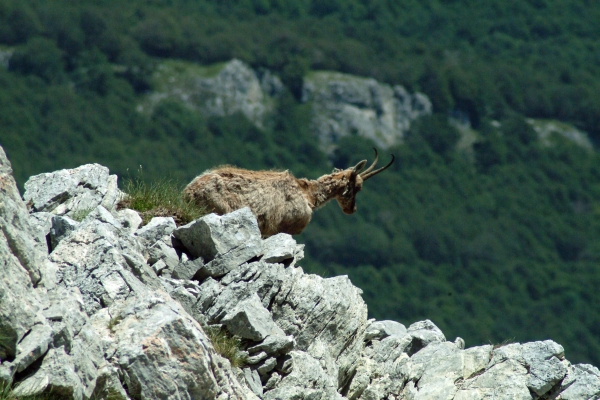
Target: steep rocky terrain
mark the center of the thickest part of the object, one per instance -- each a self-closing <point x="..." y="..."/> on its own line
<point x="342" y="104"/>
<point x="94" y="306"/>
<point x="217" y="90"/>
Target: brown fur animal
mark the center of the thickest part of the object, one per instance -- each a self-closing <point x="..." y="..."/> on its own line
<point x="280" y="202"/>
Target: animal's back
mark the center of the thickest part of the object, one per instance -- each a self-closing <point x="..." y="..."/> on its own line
<point x="273" y="196"/>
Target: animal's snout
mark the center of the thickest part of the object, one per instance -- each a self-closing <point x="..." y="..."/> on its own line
<point x="350" y="210"/>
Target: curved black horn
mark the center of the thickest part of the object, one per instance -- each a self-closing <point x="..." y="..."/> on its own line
<point x="372" y="165"/>
<point x="370" y="174"/>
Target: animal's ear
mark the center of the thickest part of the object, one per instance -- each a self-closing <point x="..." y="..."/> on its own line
<point x="359" y="167"/>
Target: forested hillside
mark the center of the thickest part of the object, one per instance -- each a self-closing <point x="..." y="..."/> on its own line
<point x="498" y="242"/>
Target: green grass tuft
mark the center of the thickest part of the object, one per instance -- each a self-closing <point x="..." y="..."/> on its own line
<point x="80" y="215"/>
<point x="6" y="393"/>
<point x="162" y="198"/>
<point x="114" y="322"/>
<point x="226" y="345"/>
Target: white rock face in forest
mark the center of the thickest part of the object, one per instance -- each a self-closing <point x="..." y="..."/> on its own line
<point x="342" y="104"/>
<point x="345" y="105"/>
<point x="218" y="90"/>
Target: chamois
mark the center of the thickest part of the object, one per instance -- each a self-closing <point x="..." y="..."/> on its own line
<point x="280" y="202"/>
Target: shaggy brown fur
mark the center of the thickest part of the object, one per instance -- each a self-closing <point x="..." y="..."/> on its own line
<point x="280" y="202"/>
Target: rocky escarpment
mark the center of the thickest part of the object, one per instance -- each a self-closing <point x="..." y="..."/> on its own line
<point x="218" y="90"/>
<point x="94" y="306"/>
<point x="342" y="104"/>
<point x="345" y="105"/>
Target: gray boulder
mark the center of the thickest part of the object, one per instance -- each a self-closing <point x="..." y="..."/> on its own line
<point x="72" y="191"/>
<point x="546" y="369"/>
<point x="282" y="247"/>
<point x="33" y="346"/>
<point x="424" y="333"/>
<point x="157" y="228"/>
<point x="165" y="261"/>
<point x="250" y="320"/>
<point x="101" y="214"/>
<point x="93" y="319"/>
<point x="223" y="242"/>
<point x="61" y="227"/>
<point x="187" y="269"/>
<point x="274" y="345"/>
<point x="383" y="329"/>
<point x="326" y="317"/>
<point x="56" y="375"/>
<point x="582" y="382"/>
<point x="129" y="219"/>
<point x="308" y="380"/>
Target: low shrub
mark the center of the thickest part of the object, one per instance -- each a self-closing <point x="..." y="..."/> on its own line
<point x="226" y="345"/>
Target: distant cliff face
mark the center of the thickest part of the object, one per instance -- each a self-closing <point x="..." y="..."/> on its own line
<point x="217" y="90"/>
<point x="344" y="105"/>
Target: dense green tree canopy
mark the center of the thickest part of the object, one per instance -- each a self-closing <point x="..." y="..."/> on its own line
<point x="492" y="242"/>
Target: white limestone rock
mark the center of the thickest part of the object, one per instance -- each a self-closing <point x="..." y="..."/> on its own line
<point x="281" y="247"/>
<point x="101" y="322"/>
<point x="93" y="259"/>
<point x="157" y="228"/>
<point x="156" y="338"/>
<point x="41" y="224"/>
<point x="582" y="382"/>
<point x="129" y="219"/>
<point x="345" y="104"/>
<point x="57" y="375"/>
<point x="545" y="366"/>
<point x="73" y="191"/>
<point x="223" y="242"/>
<point x="250" y="320"/>
<point x="425" y="332"/>
<point x="234" y="88"/>
<point x="383" y="329"/>
<point x="61" y="227"/>
<point x="21" y="266"/>
<point x="307" y="380"/>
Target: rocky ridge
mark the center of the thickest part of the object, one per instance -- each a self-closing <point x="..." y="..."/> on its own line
<point x="93" y="306"/>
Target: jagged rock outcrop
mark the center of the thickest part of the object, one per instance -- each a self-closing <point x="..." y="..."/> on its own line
<point x="547" y="128"/>
<point x="345" y="105"/>
<point x="342" y="104"/>
<point x="228" y="89"/>
<point x="107" y="309"/>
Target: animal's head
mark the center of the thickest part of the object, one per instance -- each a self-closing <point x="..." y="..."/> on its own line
<point x="352" y="180"/>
